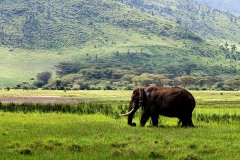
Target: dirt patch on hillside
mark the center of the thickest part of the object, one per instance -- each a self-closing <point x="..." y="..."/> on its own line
<point x="40" y="99"/>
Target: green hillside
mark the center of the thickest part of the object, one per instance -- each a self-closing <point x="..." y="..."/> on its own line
<point x="209" y="23"/>
<point x="43" y="24"/>
<point x="110" y="44"/>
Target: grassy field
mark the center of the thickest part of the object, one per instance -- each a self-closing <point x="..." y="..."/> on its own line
<point x="18" y="62"/>
<point x="57" y="135"/>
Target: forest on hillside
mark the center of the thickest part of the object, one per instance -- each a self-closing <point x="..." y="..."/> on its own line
<point x="208" y="22"/>
<point x="231" y="6"/>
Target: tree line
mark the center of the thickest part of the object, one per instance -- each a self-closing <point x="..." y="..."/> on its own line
<point x="124" y="78"/>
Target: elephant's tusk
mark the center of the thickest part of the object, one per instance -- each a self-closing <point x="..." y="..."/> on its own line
<point x="126" y="114"/>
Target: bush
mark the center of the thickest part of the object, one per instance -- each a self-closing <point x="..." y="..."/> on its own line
<point x="84" y="86"/>
<point x="75" y="87"/>
<point x="108" y="87"/>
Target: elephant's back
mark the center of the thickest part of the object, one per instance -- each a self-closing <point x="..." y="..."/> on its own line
<point x="174" y="97"/>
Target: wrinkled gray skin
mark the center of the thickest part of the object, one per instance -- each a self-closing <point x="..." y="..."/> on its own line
<point x="156" y="101"/>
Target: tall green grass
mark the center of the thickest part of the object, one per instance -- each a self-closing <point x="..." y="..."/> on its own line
<point x="89" y="108"/>
<point x="80" y="108"/>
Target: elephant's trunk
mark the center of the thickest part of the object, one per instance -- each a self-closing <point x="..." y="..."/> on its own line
<point x="130" y="118"/>
<point x="135" y="103"/>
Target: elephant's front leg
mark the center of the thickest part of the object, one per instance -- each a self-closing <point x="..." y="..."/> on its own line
<point x="145" y="116"/>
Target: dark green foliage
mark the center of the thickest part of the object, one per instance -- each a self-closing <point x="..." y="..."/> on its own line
<point x="191" y="157"/>
<point x="218" y="118"/>
<point x="25" y="151"/>
<point x="154" y="155"/>
<point x="44" y="76"/>
<point x="234" y="83"/>
<point x="28" y="86"/>
<point x="65" y="68"/>
<point x="39" y="84"/>
<point x="75" y="148"/>
<point x="118" y="145"/>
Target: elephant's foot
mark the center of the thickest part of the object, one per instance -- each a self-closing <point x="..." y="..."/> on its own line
<point x="132" y="124"/>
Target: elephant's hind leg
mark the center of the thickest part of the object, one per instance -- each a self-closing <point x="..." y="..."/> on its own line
<point x="154" y="118"/>
<point x="187" y="121"/>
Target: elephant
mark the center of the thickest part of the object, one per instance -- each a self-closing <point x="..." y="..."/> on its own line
<point x="166" y="101"/>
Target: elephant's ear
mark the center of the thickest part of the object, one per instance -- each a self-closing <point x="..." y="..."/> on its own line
<point x="143" y="92"/>
<point x="135" y="94"/>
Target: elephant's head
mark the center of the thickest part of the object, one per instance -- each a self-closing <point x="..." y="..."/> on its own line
<point x="135" y="103"/>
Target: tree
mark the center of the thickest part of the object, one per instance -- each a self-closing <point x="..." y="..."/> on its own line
<point x="175" y="70"/>
<point x="166" y="81"/>
<point x="176" y="82"/>
<point x="128" y="77"/>
<point x="188" y="68"/>
<point x="83" y="85"/>
<point x="147" y="79"/>
<point x="185" y="81"/>
<point x="25" y="86"/>
<point x="64" y="68"/>
<point x="39" y="84"/>
<point x="7" y="88"/>
<point x="210" y="80"/>
<point x="44" y="76"/>
<point x="201" y="81"/>
<point x="142" y="81"/>
<point x="233" y="47"/>
<point x="234" y="83"/>
<point x="226" y="45"/>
